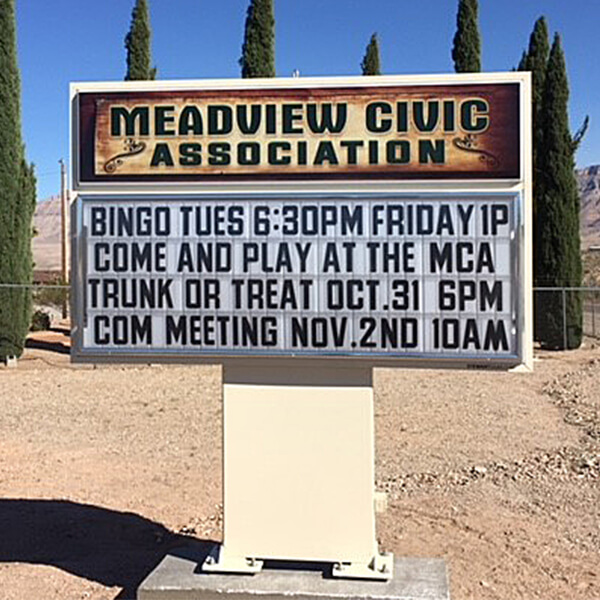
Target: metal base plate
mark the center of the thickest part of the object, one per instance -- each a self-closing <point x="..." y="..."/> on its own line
<point x="219" y="561"/>
<point x="381" y="567"/>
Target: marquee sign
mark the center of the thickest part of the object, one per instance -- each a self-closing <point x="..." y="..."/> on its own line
<point x="188" y="243"/>
<point x="399" y="276"/>
<point x="395" y="132"/>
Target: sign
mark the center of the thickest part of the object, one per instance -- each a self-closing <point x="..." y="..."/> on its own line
<point x="379" y="219"/>
<point x="391" y="132"/>
<point x="400" y="276"/>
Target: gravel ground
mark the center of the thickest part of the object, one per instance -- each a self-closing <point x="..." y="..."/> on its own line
<point x="103" y="470"/>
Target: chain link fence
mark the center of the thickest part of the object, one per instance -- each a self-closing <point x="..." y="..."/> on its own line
<point x="557" y="310"/>
<point x="50" y="301"/>
<point x="554" y="305"/>
<point x="591" y="313"/>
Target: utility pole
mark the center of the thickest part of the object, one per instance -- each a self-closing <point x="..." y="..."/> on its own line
<point x="64" y="231"/>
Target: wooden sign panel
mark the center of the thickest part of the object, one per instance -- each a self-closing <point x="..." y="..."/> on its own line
<point x="369" y="132"/>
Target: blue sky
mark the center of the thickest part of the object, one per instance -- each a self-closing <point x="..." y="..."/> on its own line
<point x="80" y="40"/>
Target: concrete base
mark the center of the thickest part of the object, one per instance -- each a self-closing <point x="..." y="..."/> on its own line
<point x="179" y="577"/>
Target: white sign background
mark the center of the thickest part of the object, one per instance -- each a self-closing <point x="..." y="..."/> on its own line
<point x="401" y="276"/>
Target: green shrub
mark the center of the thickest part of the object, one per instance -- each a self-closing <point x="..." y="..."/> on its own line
<point x="40" y="321"/>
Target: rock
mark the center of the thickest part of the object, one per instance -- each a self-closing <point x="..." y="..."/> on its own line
<point x="588" y="180"/>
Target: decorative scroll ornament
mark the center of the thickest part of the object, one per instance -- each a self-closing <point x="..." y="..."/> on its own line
<point x="469" y="144"/>
<point x="132" y="147"/>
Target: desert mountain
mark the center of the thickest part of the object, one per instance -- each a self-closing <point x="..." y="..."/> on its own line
<point x="46" y="244"/>
<point x="588" y="180"/>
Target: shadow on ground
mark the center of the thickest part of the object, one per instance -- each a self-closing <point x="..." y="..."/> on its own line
<point x="110" y="547"/>
<point x="50" y="346"/>
<point x="56" y="339"/>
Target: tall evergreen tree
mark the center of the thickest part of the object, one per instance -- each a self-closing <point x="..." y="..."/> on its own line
<point x="17" y="196"/>
<point x="371" y="62"/>
<point x="559" y="258"/>
<point x="138" y="44"/>
<point x="536" y="61"/>
<point x="258" y="49"/>
<point x="466" y="51"/>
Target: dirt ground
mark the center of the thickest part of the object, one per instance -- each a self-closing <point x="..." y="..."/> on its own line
<point x="104" y="470"/>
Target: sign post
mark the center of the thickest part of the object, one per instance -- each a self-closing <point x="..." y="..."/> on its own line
<point x="302" y="232"/>
<point x="298" y="477"/>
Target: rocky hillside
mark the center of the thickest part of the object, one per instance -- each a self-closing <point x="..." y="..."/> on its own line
<point x="46" y="244"/>
<point x="588" y="180"/>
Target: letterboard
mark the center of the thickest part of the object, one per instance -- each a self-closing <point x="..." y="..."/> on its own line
<point x="382" y="276"/>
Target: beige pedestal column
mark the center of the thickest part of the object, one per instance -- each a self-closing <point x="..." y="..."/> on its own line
<point x="298" y="470"/>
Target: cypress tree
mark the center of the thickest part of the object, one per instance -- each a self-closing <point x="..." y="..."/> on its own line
<point x="536" y="61"/>
<point x="258" y="49"/>
<point x="466" y="51"/>
<point x="371" y="63"/>
<point x="138" y="44"/>
<point x="559" y="258"/>
<point x="17" y="197"/>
